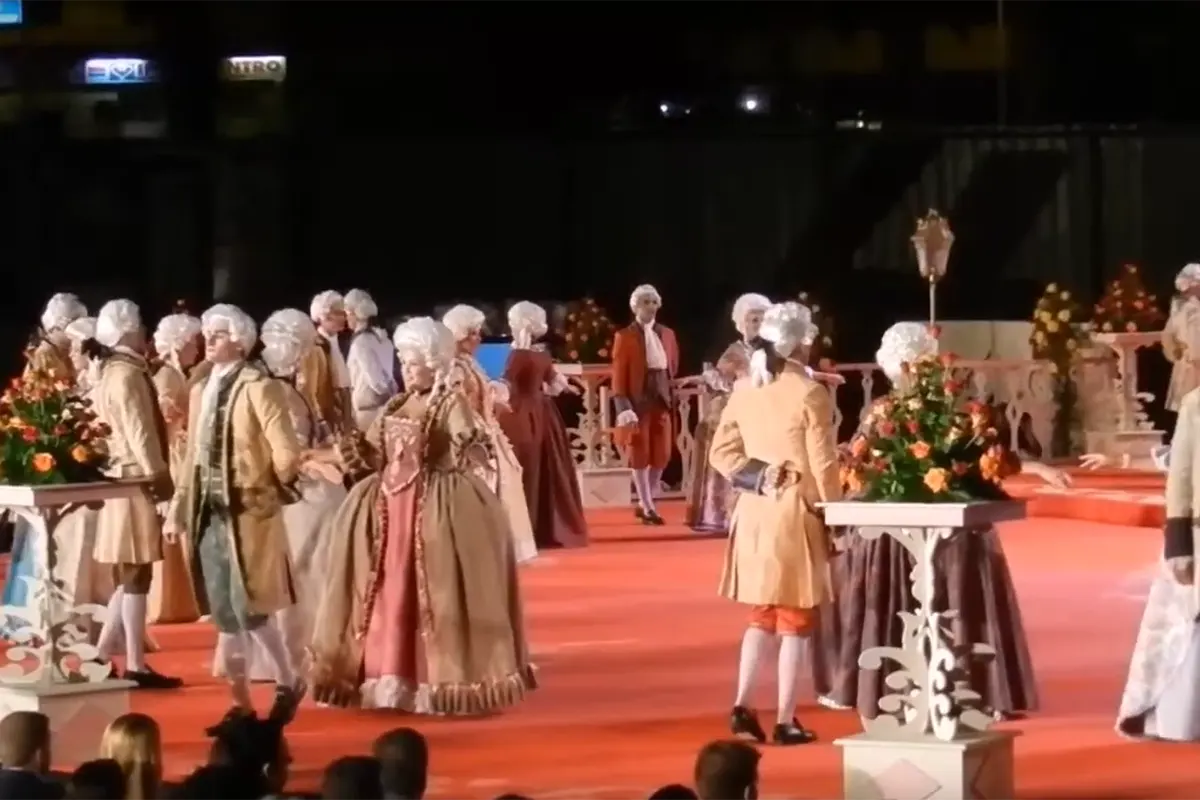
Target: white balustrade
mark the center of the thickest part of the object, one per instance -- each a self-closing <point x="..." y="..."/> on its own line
<point x="1115" y="420"/>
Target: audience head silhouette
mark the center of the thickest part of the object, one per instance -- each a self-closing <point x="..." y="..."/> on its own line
<point x="673" y="791"/>
<point x="101" y="779"/>
<point x="254" y="746"/>
<point x="727" y="770"/>
<point x="134" y="742"/>
<point x="25" y="741"/>
<point x="403" y="757"/>
<point x="219" y="780"/>
<point x="356" y="777"/>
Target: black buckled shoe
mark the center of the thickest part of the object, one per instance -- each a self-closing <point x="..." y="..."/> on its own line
<point x="743" y="723"/>
<point x="287" y="702"/>
<point x="791" y="734"/>
<point x="148" y="678"/>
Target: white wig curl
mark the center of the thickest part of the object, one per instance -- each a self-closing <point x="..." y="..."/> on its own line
<point x="527" y="321"/>
<point x="430" y="340"/>
<point x="174" y="332"/>
<point x="360" y="303"/>
<point x="1188" y="277"/>
<point x="904" y="343"/>
<point x="325" y="304"/>
<point x="117" y="319"/>
<point x="286" y="336"/>
<point x="463" y="320"/>
<point x="645" y="290"/>
<point x="746" y="305"/>
<point x="61" y="310"/>
<point x="231" y="320"/>
<point x="80" y="330"/>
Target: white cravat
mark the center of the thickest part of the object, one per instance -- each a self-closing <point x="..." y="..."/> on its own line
<point x="656" y="354"/>
<point x="212" y="387"/>
<point x="337" y="362"/>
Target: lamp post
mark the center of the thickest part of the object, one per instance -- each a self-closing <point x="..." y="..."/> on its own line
<point x="932" y="242"/>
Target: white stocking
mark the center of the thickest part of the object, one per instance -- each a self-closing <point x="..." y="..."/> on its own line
<point x="655" y="479"/>
<point x="106" y="642"/>
<point x="232" y="649"/>
<point x="754" y="644"/>
<point x="791" y="654"/>
<point x="641" y="484"/>
<point x="133" y="615"/>
<point x="268" y="637"/>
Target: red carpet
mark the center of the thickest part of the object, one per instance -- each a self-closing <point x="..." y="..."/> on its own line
<point x="638" y="655"/>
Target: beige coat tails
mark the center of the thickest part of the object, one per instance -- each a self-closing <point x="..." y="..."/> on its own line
<point x="778" y="547"/>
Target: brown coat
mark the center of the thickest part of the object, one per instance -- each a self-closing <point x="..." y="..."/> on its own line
<point x="49" y="358"/>
<point x="629" y="361"/>
<point x="778" y="547"/>
<point x="314" y="379"/>
<point x="127" y="530"/>
<point x="263" y="461"/>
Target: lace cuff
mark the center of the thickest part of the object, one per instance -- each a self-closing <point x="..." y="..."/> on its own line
<point x="473" y="448"/>
<point x="358" y="458"/>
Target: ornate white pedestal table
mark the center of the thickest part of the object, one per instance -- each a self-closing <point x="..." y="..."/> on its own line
<point x="931" y="741"/>
<point x="48" y="665"/>
<point x="604" y="482"/>
<point x="1132" y="437"/>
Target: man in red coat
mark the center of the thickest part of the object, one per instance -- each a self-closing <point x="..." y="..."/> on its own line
<point x="645" y="359"/>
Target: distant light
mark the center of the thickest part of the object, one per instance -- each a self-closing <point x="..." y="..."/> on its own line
<point x="116" y="71"/>
<point x="668" y="109"/>
<point x="11" y="12"/>
<point x="256" y="68"/>
<point x="664" y="108"/>
<point x="750" y="103"/>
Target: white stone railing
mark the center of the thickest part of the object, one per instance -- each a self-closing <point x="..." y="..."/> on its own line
<point x="1025" y="387"/>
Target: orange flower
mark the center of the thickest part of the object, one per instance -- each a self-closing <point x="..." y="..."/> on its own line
<point x="960" y="468"/>
<point x="851" y="479"/>
<point x="937" y="480"/>
<point x="81" y="454"/>
<point x="989" y="467"/>
<point x="43" y="462"/>
<point x="602" y="352"/>
<point x="920" y="449"/>
<point x="858" y="447"/>
<point x="573" y="354"/>
<point x="30" y="435"/>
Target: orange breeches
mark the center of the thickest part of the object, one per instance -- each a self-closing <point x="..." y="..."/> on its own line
<point x="783" y="620"/>
<point x="648" y="444"/>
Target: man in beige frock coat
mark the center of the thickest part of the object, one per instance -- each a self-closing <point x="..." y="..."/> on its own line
<point x="775" y="443"/>
<point x="128" y="535"/>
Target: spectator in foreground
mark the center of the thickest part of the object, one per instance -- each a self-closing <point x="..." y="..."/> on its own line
<point x="25" y="754"/>
<point x="673" y="791"/>
<point x="403" y="756"/>
<point x="134" y="742"/>
<point x="101" y="779"/>
<point x="352" y="778"/>
<point x="255" y="747"/>
<point x="217" y="781"/>
<point x="727" y="769"/>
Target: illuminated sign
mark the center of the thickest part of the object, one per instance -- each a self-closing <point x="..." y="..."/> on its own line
<point x="116" y="71"/>
<point x="256" y="68"/>
<point x="11" y="12"/>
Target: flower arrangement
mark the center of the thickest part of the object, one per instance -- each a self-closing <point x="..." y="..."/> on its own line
<point x="49" y="434"/>
<point x="1126" y="306"/>
<point x="926" y="443"/>
<point x="1056" y="332"/>
<point x="823" y="346"/>
<point x="587" y="334"/>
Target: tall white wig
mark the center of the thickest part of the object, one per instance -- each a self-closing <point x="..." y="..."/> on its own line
<point x="286" y="336"/>
<point x="117" y="319"/>
<point x="788" y="327"/>
<point x="904" y="343"/>
<point x="231" y="320"/>
<point x="527" y="321"/>
<point x="644" y="291"/>
<point x="463" y="320"/>
<point x="746" y="305"/>
<point x="430" y="341"/>
<point x="174" y="332"/>
<point x="325" y="304"/>
<point x="1188" y="277"/>
<point x="80" y="330"/>
<point x="61" y="310"/>
<point x="359" y="303"/>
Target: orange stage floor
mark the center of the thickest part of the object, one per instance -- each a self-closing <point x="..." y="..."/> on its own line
<point x="637" y="657"/>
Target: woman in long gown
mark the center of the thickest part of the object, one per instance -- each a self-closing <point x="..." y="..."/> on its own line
<point x="485" y="397"/>
<point x="538" y="436"/>
<point x="872" y="583"/>
<point x="172" y="598"/>
<point x="285" y="338"/>
<point x="421" y="607"/>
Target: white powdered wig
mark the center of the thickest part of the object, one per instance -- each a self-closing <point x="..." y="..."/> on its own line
<point x="359" y="303"/>
<point x="788" y="327"/>
<point x="286" y="336"/>
<point x="1188" y="277"/>
<point x="61" y="310"/>
<point x="174" y="332"/>
<point x="463" y="320"/>
<point x="325" y="304"/>
<point x="117" y="319"/>
<point x="904" y="343"/>
<point x="528" y="322"/>
<point x="645" y="290"/>
<point x="429" y="340"/>
<point x="229" y="319"/>
<point x="746" y="305"/>
<point x="80" y="330"/>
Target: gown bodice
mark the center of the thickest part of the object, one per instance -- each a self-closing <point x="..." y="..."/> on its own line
<point x="527" y="371"/>
<point x="403" y="442"/>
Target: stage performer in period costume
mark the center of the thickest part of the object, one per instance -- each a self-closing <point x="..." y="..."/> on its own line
<point x="485" y="398"/>
<point x="178" y="342"/>
<point x="775" y="443"/>
<point x="872" y="583"/>
<point x="1181" y="336"/>
<point x="538" y="436"/>
<point x="1162" y="693"/>
<point x="324" y="378"/>
<point x="51" y="346"/>
<point x="421" y="607"/>
<point x="237" y="475"/>
<point x="286" y="336"/>
<point x="645" y="360"/>
<point x="128" y="534"/>
<point x="371" y="361"/>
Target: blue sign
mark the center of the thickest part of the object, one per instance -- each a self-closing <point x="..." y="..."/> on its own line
<point x="116" y="71"/>
<point x="493" y="357"/>
<point x="11" y="12"/>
